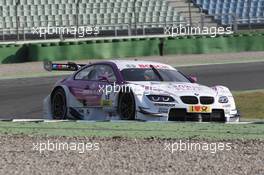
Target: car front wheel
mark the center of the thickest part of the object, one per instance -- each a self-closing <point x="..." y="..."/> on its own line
<point x="126" y="106"/>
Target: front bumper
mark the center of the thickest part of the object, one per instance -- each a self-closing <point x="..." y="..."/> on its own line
<point x="181" y="114"/>
<point x="177" y="114"/>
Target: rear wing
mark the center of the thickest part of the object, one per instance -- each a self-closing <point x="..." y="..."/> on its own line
<point x="70" y="66"/>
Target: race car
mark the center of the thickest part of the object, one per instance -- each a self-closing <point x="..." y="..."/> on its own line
<point x="135" y="90"/>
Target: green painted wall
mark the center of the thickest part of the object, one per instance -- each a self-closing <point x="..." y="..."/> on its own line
<point x="107" y="49"/>
<point x="219" y="44"/>
<point x="13" y="53"/>
<point x="94" y="49"/>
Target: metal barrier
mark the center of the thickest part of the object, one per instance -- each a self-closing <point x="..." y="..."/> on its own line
<point x="246" y="24"/>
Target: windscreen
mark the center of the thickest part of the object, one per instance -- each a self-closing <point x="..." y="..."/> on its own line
<point x="148" y="74"/>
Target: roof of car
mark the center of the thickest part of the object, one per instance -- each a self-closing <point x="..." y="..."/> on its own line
<point x="126" y="64"/>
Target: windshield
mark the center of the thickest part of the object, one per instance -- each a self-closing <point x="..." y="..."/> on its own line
<point x="136" y="74"/>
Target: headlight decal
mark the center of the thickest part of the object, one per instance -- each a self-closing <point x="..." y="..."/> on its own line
<point x="160" y="98"/>
<point x="223" y="99"/>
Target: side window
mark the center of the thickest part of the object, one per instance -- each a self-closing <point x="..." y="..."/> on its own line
<point x="96" y="73"/>
<point x="105" y="71"/>
<point x="86" y="74"/>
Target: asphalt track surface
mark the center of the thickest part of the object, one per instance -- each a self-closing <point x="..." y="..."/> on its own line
<point x="22" y="98"/>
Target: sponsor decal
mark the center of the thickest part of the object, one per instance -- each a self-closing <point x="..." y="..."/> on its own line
<point x="199" y="109"/>
<point x="91" y="92"/>
<point x="163" y="104"/>
<point x="227" y="106"/>
<point x="107" y="96"/>
<point x="60" y="66"/>
<point x="87" y="111"/>
<point x="106" y="103"/>
<point x="163" y="110"/>
<point x="183" y="87"/>
<point x="81" y="111"/>
<point x="131" y="66"/>
<point x="159" y="66"/>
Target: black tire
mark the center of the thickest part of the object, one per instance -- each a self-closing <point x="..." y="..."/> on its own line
<point x="59" y="105"/>
<point x="127" y="106"/>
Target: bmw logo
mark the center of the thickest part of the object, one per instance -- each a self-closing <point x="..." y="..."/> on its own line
<point x="196" y="94"/>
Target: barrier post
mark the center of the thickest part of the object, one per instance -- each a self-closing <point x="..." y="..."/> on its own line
<point x="17" y="20"/>
<point x="135" y="16"/>
<point x="190" y="13"/>
<point x="235" y="23"/>
<point x="77" y="16"/>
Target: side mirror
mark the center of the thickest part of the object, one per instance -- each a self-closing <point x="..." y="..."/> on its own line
<point x="193" y="79"/>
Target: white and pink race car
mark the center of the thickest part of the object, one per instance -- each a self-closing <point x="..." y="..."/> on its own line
<point x="135" y="90"/>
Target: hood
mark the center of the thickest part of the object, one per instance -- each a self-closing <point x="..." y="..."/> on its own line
<point x="173" y="88"/>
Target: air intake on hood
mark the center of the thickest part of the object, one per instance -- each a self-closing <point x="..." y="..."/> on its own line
<point x="189" y="99"/>
<point x="206" y="100"/>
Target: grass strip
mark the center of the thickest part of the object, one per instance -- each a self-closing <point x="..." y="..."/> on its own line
<point x="213" y="131"/>
<point x="250" y="104"/>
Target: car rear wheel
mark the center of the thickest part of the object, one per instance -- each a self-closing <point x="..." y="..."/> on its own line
<point x="58" y="105"/>
<point x="126" y="106"/>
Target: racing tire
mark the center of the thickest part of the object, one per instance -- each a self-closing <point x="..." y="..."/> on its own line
<point x="126" y="106"/>
<point x="59" y="105"/>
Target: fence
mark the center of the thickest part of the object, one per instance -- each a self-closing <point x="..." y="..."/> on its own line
<point x="132" y="24"/>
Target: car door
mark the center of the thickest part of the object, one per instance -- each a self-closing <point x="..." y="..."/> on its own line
<point x="88" y="84"/>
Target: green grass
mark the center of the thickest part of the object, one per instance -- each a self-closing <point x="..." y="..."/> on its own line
<point x="250" y="104"/>
<point x="213" y="131"/>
